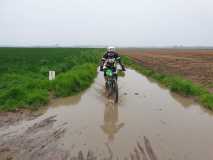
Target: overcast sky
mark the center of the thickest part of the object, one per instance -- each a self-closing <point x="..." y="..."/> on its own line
<point x="106" y="22"/>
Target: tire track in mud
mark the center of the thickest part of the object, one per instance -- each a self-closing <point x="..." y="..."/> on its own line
<point x="38" y="142"/>
<point x="138" y="153"/>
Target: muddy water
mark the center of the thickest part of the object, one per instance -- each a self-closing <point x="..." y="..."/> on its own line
<point x="148" y="123"/>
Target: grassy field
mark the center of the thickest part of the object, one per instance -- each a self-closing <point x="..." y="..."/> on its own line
<point x="24" y="74"/>
<point x="176" y="84"/>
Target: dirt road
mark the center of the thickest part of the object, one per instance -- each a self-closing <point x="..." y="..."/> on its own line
<point x="193" y="64"/>
<point x="149" y="123"/>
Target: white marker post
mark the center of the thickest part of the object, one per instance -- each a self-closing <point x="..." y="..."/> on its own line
<point x="51" y="75"/>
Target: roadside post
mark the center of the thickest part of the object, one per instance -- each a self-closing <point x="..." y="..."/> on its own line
<point x="51" y="75"/>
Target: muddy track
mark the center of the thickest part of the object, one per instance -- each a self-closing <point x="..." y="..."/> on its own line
<point x="39" y="141"/>
<point x="148" y="123"/>
<point x="13" y="118"/>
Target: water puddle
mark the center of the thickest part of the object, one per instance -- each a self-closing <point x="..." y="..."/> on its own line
<point x="148" y="123"/>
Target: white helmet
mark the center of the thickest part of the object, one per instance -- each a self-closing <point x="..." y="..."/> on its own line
<point x="111" y="48"/>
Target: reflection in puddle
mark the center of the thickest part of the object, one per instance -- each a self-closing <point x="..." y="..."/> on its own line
<point x="111" y="120"/>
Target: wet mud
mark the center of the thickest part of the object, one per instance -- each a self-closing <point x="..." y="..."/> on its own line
<point x="148" y="123"/>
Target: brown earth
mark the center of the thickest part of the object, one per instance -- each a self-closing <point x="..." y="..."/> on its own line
<point x="13" y="118"/>
<point x="40" y="141"/>
<point x="193" y="64"/>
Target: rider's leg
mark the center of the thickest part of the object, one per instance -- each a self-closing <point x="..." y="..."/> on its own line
<point x="105" y="78"/>
<point x="114" y="71"/>
<point x="105" y="74"/>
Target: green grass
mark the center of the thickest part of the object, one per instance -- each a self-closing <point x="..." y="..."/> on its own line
<point x="176" y="84"/>
<point x="24" y="74"/>
<point x="75" y="80"/>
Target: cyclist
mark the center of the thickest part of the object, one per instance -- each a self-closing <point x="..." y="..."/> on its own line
<point x="107" y="57"/>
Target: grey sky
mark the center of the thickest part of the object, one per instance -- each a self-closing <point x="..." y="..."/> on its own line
<point x="106" y="22"/>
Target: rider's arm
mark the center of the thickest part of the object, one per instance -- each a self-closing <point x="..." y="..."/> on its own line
<point x="118" y="58"/>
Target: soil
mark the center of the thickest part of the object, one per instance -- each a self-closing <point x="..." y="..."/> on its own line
<point x="193" y="64"/>
<point x="13" y="118"/>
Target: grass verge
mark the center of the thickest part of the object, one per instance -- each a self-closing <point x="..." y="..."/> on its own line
<point x="175" y="84"/>
<point x="75" y="80"/>
<point x="24" y="74"/>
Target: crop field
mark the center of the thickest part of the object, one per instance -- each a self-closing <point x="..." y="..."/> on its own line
<point x="24" y="74"/>
<point x="193" y="64"/>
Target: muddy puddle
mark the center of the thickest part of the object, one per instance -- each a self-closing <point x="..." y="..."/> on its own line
<point x="148" y="123"/>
